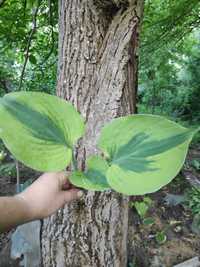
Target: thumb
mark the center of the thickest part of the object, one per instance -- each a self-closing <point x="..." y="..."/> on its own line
<point x="63" y="179"/>
<point x="72" y="194"/>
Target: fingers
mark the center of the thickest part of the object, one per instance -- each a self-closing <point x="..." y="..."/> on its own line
<point x="63" y="180"/>
<point x="69" y="192"/>
<point x="66" y="186"/>
<point x="72" y="194"/>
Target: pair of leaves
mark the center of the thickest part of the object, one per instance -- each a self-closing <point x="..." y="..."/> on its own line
<point x="142" y="153"/>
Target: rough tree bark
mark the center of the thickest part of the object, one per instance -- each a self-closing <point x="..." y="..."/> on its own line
<point x="98" y="73"/>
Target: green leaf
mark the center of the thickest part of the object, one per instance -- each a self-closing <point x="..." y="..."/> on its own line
<point x="196" y="164"/>
<point x="141" y="208"/>
<point x="145" y="152"/>
<point x="148" y="201"/>
<point x="2" y="155"/>
<point x="148" y="221"/>
<point x="94" y="178"/>
<point x="33" y="59"/>
<point x="161" y="237"/>
<point x="196" y="224"/>
<point x="39" y="129"/>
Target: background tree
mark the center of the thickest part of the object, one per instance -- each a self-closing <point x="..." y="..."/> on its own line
<point x="28" y="45"/>
<point x="169" y="44"/>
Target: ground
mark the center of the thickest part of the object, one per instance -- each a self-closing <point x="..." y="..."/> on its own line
<point x="167" y="221"/>
<point x="174" y="222"/>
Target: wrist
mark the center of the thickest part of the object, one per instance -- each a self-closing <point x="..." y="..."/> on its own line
<point x="28" y="213"/>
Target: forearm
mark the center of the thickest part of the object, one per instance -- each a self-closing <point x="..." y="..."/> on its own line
<point x="44" y="197"/>
<point x="13" y="211"/>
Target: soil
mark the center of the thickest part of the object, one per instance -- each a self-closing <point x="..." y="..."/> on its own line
<point x="173" y="221"/>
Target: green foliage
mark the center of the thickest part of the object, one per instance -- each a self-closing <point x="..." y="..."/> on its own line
<point x="28" y="40"/>
<point x="148" y="221"/>
<point x="169" y="60"/>
<point x="196" y="224"/>
<point x="196" y="140"/>
<point x="167" y="22"/>
<point x="161" y="237"/>
<point x="7" y="169"/>
<point x="142" y="207"/>
<point x="142" y="153"/>
<point x="196" y="164"/>
<point x="170" y="85"/>
<point x="193" y="203"/>
<point x="193" y="200"/>
<point x="2" y="155"/>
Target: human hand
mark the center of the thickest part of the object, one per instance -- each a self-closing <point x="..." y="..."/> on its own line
<point x="47" y="194"/>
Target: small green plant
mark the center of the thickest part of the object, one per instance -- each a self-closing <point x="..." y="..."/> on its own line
<point x="161" y="237"/>
<point x="2" y="155"/>
<point x="196" y="164"/>
<point x="139" y="153"/>
<point x="193" y="203"/>
<point x="148" y="221"/>
<point x="7" y="169"/>
<point x="142" y="206"/>
<point x="193" y="200"/>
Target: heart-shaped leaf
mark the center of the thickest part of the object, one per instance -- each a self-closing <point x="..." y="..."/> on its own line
<point x="94" y="178"/>
<point x="39" y="129"/>
<point x="145" y="152"/>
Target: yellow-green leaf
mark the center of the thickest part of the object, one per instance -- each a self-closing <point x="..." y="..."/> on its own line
<point x="39" y="129"/>
<point x="94" y="178"/>
<point x="145" y="152"/>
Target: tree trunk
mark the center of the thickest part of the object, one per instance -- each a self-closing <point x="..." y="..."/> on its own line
<point x="98" y="73"/>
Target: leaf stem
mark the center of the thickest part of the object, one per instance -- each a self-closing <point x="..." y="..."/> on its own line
<point x="18" y="176"/>
<point x="74" y="162"/>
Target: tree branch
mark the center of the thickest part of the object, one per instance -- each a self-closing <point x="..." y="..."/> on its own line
<point x="52" y="48"/>
<point x="34" y="22"/>
<point x="52" y="35"/>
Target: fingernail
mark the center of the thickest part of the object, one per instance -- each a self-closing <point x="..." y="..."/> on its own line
<point x="80" y="194"/>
